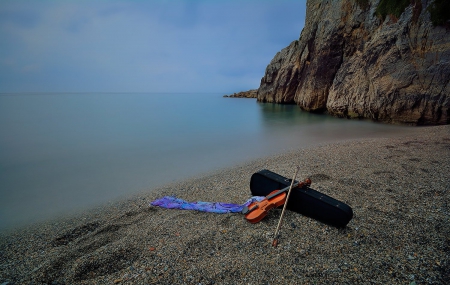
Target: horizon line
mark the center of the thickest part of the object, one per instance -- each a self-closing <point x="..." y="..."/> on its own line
<point x="108" y="92"/>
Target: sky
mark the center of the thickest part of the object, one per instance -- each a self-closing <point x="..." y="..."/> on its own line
<point x="178" y="46"/>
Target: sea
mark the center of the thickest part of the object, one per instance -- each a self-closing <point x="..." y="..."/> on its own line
<point x="64" y="152"/>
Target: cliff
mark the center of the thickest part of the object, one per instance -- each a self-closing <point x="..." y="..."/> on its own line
<point x="353" y="62"/>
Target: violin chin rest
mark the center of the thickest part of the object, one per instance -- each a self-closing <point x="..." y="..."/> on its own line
<point x="244" y="210"/>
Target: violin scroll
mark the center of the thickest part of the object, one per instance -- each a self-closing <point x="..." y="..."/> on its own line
<point x="305" y="183"/>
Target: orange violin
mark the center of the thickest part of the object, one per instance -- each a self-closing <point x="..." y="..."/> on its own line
<point x="256" y="211"/>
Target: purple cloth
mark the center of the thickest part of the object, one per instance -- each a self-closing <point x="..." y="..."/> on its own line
<point x="171" y="202"/>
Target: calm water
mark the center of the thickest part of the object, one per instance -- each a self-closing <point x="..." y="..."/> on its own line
<point x="63" y="152"/>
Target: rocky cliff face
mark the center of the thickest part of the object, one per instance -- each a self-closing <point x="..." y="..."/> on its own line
<point x="353" y="64"/>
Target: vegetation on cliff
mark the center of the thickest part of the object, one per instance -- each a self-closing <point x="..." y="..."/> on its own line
<point x="440" y="12"/>
<point x="439" y="9"/>
<point x="391" y="7"/>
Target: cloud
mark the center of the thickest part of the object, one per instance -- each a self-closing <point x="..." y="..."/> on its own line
<point x="141" y="46"/>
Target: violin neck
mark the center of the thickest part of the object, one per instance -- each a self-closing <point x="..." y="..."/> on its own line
<point x="281" y="191"/>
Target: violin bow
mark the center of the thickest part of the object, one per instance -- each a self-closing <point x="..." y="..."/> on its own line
<point x="275" y="240"/>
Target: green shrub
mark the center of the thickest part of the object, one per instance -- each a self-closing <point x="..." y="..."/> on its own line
<point x="439" y="12"/>
<point x="392" y="7"/>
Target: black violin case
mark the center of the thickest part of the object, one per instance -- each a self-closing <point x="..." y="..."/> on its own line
<point x="305" y="201"/>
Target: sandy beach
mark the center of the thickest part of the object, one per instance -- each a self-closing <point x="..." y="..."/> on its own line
<point x="398" y="188"/>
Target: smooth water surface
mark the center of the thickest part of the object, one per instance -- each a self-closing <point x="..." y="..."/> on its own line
<point x="64" y="152"/>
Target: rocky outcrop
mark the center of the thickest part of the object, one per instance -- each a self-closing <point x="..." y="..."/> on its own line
<point x="351" y="63"/>
<point x="244" y="94"/>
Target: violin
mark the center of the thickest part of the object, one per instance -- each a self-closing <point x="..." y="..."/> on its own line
<point x="256" y="211"/>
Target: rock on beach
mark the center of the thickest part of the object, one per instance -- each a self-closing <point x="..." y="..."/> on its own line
<point x="400" y="233"/>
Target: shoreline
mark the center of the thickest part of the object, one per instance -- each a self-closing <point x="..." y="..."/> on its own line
<point x="397" y="187"/>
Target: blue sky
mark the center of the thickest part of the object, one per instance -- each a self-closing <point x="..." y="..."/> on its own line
<point x="142" y="46"/>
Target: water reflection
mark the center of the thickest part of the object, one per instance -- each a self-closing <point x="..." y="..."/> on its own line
<point x="284" y="114"/>
<point x="291" y="127"/>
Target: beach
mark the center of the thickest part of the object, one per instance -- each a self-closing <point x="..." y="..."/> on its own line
<point x="398" y="188"/>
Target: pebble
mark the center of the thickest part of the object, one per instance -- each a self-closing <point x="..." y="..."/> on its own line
<point x="397" y="236"/>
